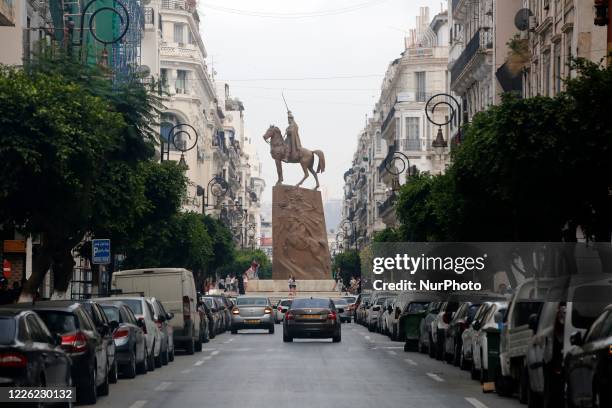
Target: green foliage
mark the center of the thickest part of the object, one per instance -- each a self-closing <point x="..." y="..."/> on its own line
<point x="223" y="244"/>
<point x="528" y="170"/>
<point x="348" y="263"/>
<point x="387" y="235"/>
<point x="242" y="262"/>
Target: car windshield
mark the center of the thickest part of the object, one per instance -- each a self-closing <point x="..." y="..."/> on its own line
<point x="8" y="326"/>
<point x="285" y="303"/>
<point x="381" y="301"/>
<point x="250" y="301"/>
<point x="417" y="307"/>
<point x="310" y="303"/>
<point x="134" y="304"/>
<point x="209" y="302"/>
<point x="350" y="299"/>
<point x="59" y="322"/>
<point x="340" y="302"/>
<point x="112" y="313"/>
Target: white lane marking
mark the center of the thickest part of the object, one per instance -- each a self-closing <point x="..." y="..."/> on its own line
<point x="393" y="348"/>
<point x="187" y="371"/>
<point x="411" y="362"/>
<point x="162" y="386"/>
<point x="367" y="337"/>
<point x="242" y="349"/>
<point x="393" y="353"/>
<point x="214" y="353"/>
<point x="138" y="404"/>
<point x="207" y="357"/>
<point x="208" y="349"/>
<point x="198" y="363"/>
<point x="475" y="402"/>
<point x="435" y="377"/>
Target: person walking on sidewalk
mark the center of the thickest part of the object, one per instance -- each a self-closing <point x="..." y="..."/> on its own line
<point x="292" y="286"/>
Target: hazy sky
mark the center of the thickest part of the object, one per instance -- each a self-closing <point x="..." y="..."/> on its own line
<point x="261" y="50"/>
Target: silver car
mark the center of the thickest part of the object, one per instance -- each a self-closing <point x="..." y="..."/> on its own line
<point x="252" y="312"/>
<point x="342" y="309"/>
<point x="281" y="308"/>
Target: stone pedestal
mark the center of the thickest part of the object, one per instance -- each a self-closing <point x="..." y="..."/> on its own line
<point x="299" y="236"/>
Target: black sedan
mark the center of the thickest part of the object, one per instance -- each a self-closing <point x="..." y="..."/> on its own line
<point x="81" y="341"/>
<point x="105" y="329"/>
<point x="128" y="337"/>
<point x="30" y="356"/>
<point x="312" y="318"/>
<point x="588" y="365"/>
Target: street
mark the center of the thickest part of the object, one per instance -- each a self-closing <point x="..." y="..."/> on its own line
<point x="256" y="369"/>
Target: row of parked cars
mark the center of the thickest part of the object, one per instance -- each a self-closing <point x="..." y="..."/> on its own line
<point x="549" y="343"/>
<point x="90" y="343"/>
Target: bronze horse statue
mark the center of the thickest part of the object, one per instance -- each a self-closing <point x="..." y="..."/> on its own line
<point x="279" y="150"/>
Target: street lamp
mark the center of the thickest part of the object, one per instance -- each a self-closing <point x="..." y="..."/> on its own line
<point x="217" y="186"/>
<point x="441" y="100"/>
<point x="392" y="168"/>
<point x="345" y="225"/>
<point x="185" y="139"/>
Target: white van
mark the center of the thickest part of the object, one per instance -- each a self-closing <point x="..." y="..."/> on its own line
<point x="175" y="288"/>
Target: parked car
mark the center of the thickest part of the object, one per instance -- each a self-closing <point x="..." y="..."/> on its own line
<point x="82" y="343"/>
<point x="485" y="341"/>
<point x="461" y="320"/>
<point x="175" y="289"/>
<point x="130" y="350"/>
<point x="425" y="339"/>
<point x="352" y="303"/>
<point x="374" y="312"/>
<point x="588" y="365"/>
<point x="439" y="326"/>
<point x="143" y="311"/>
<point x="360" y="308"/>
<point x="103" y="326"/>
<point x="342" y="309"/>
<point x="210" y="319"/>
<point x="388" y="316"/>
<point x="225" y="306"/>
<point x="162" y="319"/>
<point x="468" y="337"/>
<point x="218" y="315"/>
<point x="281" y="308"/>
<point x="312" y="318"/>
<point x="30" y="356"/>
<point x="579" y="301"/>
<point x="252" y="312"/>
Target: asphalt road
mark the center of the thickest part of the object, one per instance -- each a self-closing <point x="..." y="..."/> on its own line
<point x="256" y="369"/>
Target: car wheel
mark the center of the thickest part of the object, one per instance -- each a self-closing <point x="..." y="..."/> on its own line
<point x="457" y="355"/>
<point x="463" y="363"/>
<point x="113" y="372"/>
<point x="211" y="333"/>
<point x="141" y="367"/>
<point x="198" y="345"/>
<point x="474" y="373"/>
<point x="234" y="331"/>
<point x="534" y="399"/>
<point x="171" y="354"/>
<point x="337" y="339"/>
<point x="287" y="339"/>
<point x="271" y="330"/>
<point x="523" y="386"/>
<point x="431" y="350"/>
<point x="103" y="389"/>
<point x="503" y="385"/>
<point x="190" y="347"/>
<point x="130" y="368"/>
<point x="158" y="360"/>
<point x="151" y="360"/>
<point x="164" y="357"/>
<point x="87" y="393"/>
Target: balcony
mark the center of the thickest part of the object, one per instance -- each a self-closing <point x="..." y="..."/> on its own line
<point x="481" y="42"/>
<point x="181" y="51"/>
<point x="410" y="145"/>
<point x="7" y="13"/>
<point x="382" y="168"/>
<point x="184" y="5"/>
<point x="388" y="119"/>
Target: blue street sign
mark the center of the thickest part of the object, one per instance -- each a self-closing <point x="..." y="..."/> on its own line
<point x="101" y="251"/>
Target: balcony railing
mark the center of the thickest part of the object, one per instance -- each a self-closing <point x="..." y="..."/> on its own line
<point x="480" y="42"/>
<point x="411" y="144"/>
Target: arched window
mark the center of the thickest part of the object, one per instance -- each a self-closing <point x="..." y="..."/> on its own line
<point x="169" y="121"/>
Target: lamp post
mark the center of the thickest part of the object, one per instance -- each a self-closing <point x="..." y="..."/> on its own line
<point x="392" y="168"/>
<point x="440" y="101"/>
<point x="217" y="187"/>
<point x="345" y="225"/>
<point x="184" y="138"/>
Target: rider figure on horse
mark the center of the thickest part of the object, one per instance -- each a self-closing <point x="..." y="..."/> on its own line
<point x="292" y="140"/>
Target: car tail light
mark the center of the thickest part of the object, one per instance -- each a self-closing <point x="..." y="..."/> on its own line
<point x="280" y="309"/>
<point x="236" y="311"/>
<point x="13" y="360"/>
<point x="74" y="343"/>
<point x="267" y="310"/>
<point x="120" y="333"/>
<point x="331" y="315"/>
<point x="186" y="308"/>
<point x="289" y="316"/>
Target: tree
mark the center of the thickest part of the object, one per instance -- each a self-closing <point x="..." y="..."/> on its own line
<point x="349" y="265"/>
<point x="224" y="251"/>
<point x="54" y="141"/>
<point x="242" y="262"/>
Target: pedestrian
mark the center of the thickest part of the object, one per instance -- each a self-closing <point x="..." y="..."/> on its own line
<point x="222" y="284"/>
<point x="16" y="291"/>
<point x="245" y="281"/>
<point x="240" y="285"/>
<point x="339" y="285"/>
<point x="228" y="283"/>
<point x="232" y="283"/>
<point x="292" y="285"/>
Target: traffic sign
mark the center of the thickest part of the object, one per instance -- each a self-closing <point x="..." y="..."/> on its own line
<point x="101" y="251"/>
<point x="6" y="268"/>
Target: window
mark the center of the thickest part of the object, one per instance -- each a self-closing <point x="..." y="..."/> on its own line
<point x="546" y="73"/>
<point x="378" y="142"/>
<point x="190" y="37"/>
<point x="178" y="33"/>
<point x="412" y="140"/>
<point x="420" y="86"/>
<point x="181" y="79"/>
<point x="163" y="74"/>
